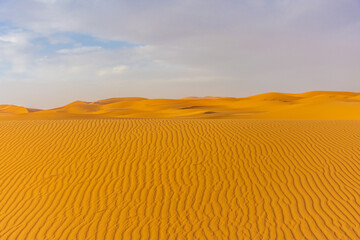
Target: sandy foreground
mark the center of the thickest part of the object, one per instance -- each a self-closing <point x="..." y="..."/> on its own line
<point x="179" y="179"/>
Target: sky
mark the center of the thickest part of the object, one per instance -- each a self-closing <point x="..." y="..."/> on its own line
<point x="53" y="52"/>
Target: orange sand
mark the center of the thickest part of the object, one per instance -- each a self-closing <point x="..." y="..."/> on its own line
<point x="182" y="178"/>
<point x="311" y="105"/>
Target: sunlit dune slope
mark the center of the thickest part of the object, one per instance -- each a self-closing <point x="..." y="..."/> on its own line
<point x="179" y="179"/>
<point x="12" y="110"/>
<point x="310" y="105"/>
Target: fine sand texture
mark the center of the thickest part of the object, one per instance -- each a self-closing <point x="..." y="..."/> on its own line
<point x="179" y="179"/>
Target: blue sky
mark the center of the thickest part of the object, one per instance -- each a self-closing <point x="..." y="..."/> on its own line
<point x="53" y="52"/>
<point x="71" y="40"/>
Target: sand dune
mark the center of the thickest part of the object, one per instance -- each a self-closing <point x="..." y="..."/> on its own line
<point x="311" y="105"/>
<point x="179" y="179"/>
<point x="137" y="168"/>
<point x="12" y="110"/>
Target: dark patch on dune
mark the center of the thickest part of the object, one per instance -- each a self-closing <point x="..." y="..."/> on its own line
<point x="209" y="112"/>
<point x="192" y="107"/>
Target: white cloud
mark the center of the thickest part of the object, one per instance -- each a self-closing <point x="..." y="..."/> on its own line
<point x="79" y="50"/>
<point x="237" y="47"/>
<point x="16" y="50"/>
<point x="111" y="71"/>
<point x="47" y="1"/>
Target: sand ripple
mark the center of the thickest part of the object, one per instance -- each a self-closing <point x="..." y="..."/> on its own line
<point x="179" y="179"/>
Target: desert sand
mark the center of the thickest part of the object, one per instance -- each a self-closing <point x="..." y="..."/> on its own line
<point x="139" y="169"/>
<point x="310" y="105"/>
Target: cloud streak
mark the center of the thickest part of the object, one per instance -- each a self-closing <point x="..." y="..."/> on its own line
<point x="176" y="48"/>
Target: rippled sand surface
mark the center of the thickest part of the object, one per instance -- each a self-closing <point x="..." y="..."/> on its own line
<point x="179" y="179"/>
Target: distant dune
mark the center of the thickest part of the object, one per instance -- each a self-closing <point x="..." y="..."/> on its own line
<point x="281" y="166"/>
<point x="12" y="110"/>
<point x="310" y="105"/>
<point x="179" y="179"/>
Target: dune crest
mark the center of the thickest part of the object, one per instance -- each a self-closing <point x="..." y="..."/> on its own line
<point x="318" y="105"/>
<point x="12" y="110"/>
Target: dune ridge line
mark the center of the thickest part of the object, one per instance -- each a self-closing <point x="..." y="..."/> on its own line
<point x="314" y="105"/>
